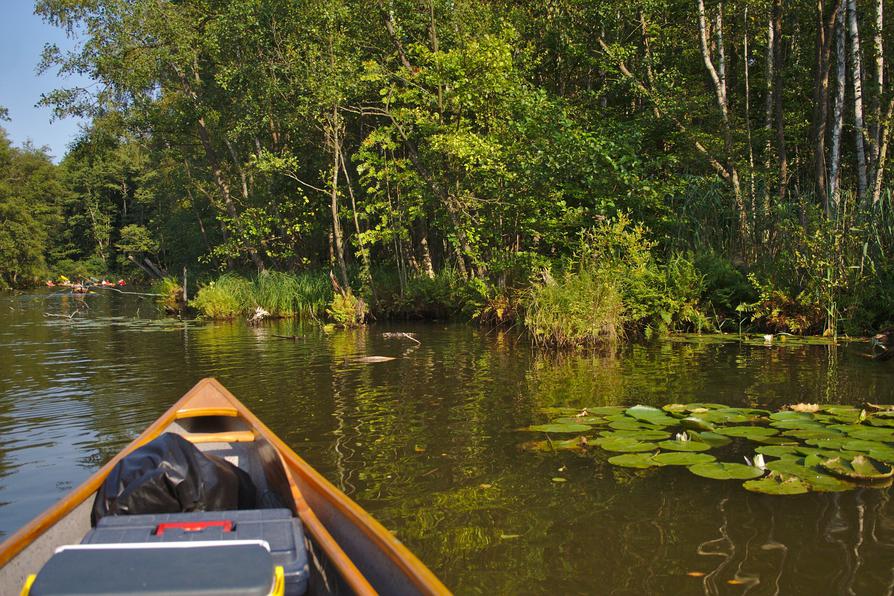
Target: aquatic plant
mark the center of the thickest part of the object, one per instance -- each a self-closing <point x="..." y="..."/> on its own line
<point x="170" y="294"/>
<point x="347" y="310"/>
<point x="228" y="297"/>
<point x="292" y="294"/>
<point x="814" y="448"/>
<point x="579" y="309"/>
<point x="279" y="294"/>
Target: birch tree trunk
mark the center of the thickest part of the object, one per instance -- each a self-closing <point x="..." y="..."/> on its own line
<point x="875" y="127"/>
<point x="778" y="87"/>
<point x="647" y="50"/>
<point x="857" y="76"/>
<point x="825" y="23"/>
<point x="888" y="119"/>
<point x="334" y="126"/>
<point x="718" y="76"/>
<point x="838" y="114"/>
<point x="768" y="110"/>
<point x="748" y="110"/>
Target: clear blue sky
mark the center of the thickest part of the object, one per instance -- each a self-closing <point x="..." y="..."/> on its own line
<point x="22" y="37"/>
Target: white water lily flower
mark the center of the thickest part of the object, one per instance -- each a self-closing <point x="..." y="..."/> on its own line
<point x="683" y="436"/>
<point x="757" y="462"/>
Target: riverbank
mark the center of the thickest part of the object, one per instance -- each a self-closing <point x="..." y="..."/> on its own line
<point x="618" y="286"/>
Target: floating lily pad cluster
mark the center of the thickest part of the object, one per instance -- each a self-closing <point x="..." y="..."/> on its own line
<point x="799" y="449"/>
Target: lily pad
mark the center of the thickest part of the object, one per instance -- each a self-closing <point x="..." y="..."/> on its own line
<point x="789" y="415"/>
<point x="825" y="453"/>
<point x="684" y="445"/>
<point x="886" y="455"/>
<point x="844" y="413"/>
<point x="778" y="450"/>
<point x="594" y="420"/>
<point x="631" y="424"/>
<point x="813" y="433"/>
<point x="860" y="468"/>
<point x="561" y="410"/>
<point x="675" y="408"/>
<point x="624" y="444"/>
<point x="777" y="484"/>
<point x="873" y="434"/>
<point x="864" y="445"/>
<point x="606" y="410"/>
<point x="817" y="480"/>
<point x="713" y="439"/>
<point x="726" y="471"/>
<point x="847" y="428"/>
<point x="651" y="415"/>
<point x="559" y="428"/>
<point x="747" y="432"/>
<point x="578" y="444"/>
<point x="696" y="423"/>
<point x="641" y="434"/>
<point x="788" y="465"/>
<point x="679" y="458"/>
<point x="633" y="460"/>
<point x="823" y="483"/>
<point x="796" y="423"/>
<point x="834" y="444"/>
<point x="724" y="416"/>
<point x="775" y="440"/>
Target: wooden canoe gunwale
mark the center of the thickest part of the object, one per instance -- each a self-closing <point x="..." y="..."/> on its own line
<point x="209" y="398"/>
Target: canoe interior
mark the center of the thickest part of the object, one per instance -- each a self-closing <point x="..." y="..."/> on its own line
<point x="349" y="552"/>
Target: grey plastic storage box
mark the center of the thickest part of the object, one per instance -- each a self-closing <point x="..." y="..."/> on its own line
<point x="276" y="527"/>
<point x="237" y="569"/>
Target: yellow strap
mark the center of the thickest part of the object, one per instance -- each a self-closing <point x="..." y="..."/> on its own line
<point x="279" y="582"/>
<point x="26" y="589"/>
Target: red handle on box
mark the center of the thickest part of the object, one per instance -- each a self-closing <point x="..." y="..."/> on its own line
<point x="194" y="526"/>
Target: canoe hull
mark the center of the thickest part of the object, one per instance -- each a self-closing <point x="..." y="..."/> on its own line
<point x="367" y="558"/>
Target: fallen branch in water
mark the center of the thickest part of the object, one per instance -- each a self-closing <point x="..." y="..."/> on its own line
<point x="69" y="317"/>
<point x="401" y="334"/>
<point x="128" y="293"/>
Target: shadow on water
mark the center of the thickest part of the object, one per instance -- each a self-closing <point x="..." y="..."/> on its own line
<point x="427" y="441"/>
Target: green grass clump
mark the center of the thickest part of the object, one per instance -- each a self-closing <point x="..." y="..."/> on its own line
<point x="276" y="293"/>
<point x="230" y="296"/>
<point x="293" y="294"/>
<point x="580" y="309"/>
<point x="283" y="295"/>
<point x="170" y="294"/>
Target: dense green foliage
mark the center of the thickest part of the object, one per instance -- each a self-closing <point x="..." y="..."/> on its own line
<point x="439" y="157"/>
<point x="30" y="193"/>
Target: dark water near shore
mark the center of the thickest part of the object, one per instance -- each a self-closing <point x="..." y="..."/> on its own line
<point x="427" y="444"/>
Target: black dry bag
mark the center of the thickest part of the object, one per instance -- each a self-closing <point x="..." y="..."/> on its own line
<point x="171" y="475"/>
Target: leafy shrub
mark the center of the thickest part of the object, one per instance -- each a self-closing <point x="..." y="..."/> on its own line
<point x="90" y="268"/>
<point x="171" y="294"/>
<point x="657" y="297"/>
<point x="779" y="311"/>
<point x="347" y="310"/>
<point x="725" y="287"/>
<point x="445" y="295"/>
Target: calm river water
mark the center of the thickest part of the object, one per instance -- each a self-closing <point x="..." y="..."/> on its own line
<point x="428" y="443"/>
